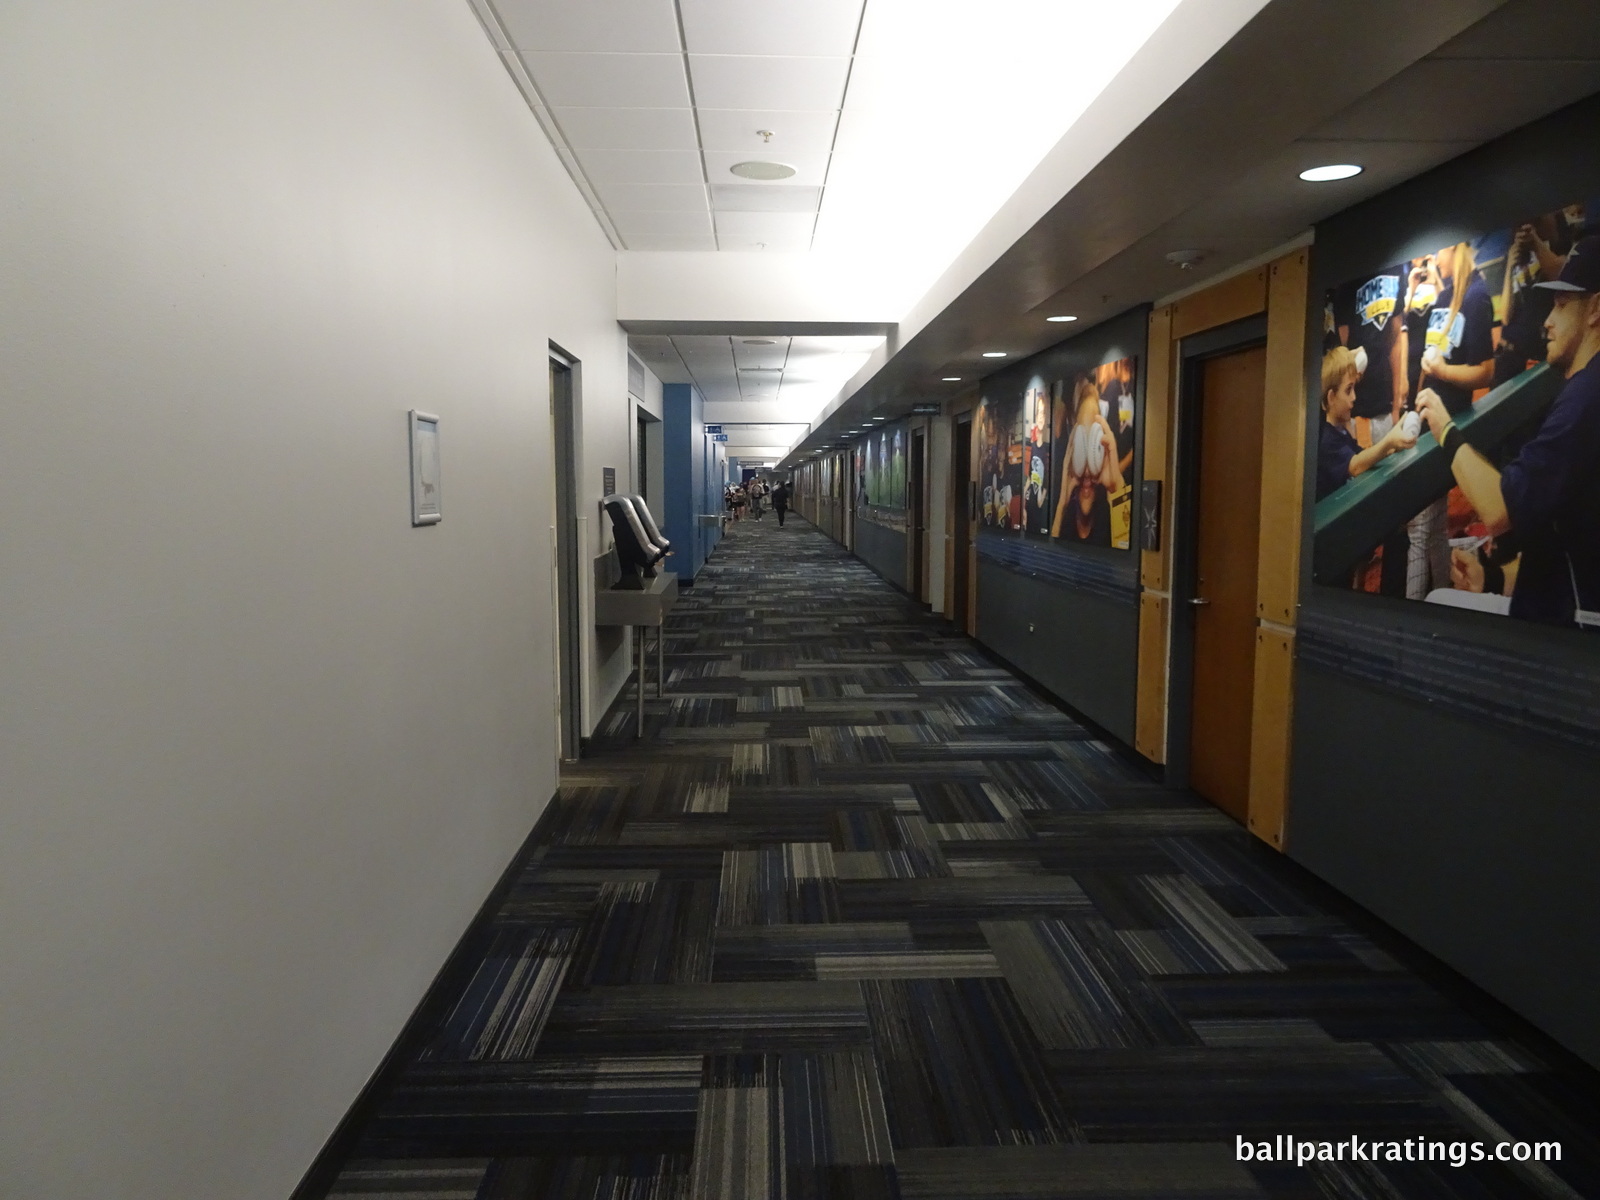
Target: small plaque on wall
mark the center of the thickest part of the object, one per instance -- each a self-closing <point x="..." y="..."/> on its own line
<point x="608" y="481"/>
<point x="1150" y="514"/>
<point x="426" y="506"/>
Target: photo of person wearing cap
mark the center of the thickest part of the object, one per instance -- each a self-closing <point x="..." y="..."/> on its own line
<point x="1366" y="316"/>
<point x="1546" y="499"/>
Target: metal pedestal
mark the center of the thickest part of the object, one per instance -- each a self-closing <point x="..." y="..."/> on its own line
<point x="644" y="610"/>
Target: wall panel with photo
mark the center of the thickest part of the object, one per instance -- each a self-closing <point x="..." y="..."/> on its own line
<point x="880" y="459"/>
<point x="1458" y="424"/>
<point x="1056" y="452"/>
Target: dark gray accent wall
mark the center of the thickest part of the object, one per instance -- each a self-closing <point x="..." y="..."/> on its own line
<point x="1082" y="602"/>
<point x="883" y="549"/>
<point x="1445" y="770"/>
<point x="1078" y="644"/>
<point x="1477" y="843"/>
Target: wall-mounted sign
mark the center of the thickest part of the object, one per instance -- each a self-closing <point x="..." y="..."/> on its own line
<point x="926" y="410"/>
<point x="719" y="437"/>
<point x="608" y="481"/>
<point x="713" y="428"/>
<point x="426" y="507"/>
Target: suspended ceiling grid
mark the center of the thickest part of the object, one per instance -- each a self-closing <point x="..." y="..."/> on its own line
<point x="803" y="371"/>
<point x="653" y="101"/>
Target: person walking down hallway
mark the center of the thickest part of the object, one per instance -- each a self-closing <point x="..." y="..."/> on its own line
<point x="780" y="500"/>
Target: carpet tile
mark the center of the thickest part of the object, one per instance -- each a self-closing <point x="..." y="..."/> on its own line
<point x="864" y="916"/>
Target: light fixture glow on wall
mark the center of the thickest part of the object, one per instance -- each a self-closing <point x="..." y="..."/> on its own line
<point x="1059" y="320"/>
<point x="1330" y="172"/>
<point x="994" y="353"/>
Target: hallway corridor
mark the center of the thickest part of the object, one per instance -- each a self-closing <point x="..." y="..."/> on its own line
<point x="863" y="916"/>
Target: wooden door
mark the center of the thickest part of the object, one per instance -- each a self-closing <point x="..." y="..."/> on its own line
<point x="1228" y="511"/>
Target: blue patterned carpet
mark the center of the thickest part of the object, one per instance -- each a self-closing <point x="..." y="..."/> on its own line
<point x="864" y="917"/>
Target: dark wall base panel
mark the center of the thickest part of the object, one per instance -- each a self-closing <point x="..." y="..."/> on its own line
<point x="1465" y="669"/>
<point x="1436" y="823"/>
<point x="884" y="550"/>
<point x="1083" y="648"/>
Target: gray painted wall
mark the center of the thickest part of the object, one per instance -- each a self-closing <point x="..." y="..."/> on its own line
<point x="1084" y="644"/>
<point x="1081" y="647"/>
<point x="264" y="747"/>
<point x="1472" y="835"/>
<point x="883" y="549"/>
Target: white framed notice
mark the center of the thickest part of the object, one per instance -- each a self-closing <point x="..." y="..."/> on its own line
<point x="425" y="505"/>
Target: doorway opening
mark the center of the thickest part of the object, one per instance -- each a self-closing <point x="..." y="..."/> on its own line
<point x="1222" y="402"/>
<point x="961" y="527"/>
<point x="564" y="535"/>
<point x="919" y="514"/>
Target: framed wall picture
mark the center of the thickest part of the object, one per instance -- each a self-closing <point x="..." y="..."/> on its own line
<point x="425" y="504"/>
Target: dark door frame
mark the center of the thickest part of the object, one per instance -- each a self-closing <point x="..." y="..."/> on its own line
<point x="916" y="482"/>
<point x="961" y="533"/>
<point x="564" y="401"/>
<point x="1192" y="351"/>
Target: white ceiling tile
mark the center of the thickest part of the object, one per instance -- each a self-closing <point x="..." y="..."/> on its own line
<point x="765" y="225"/>
<point x="606" y="167"/>
<point x="746" y="355"/>
<point x="766" y="242"/>
<point x="792" y="132"/>
<point x="811" y="170"/>
<point x="825" y="27"/>
<point x="709" y="346"/>
<point x="669" y="242"/>
<point x="765" y="197"/>
<point x="661" y="224"/>
<point x="738" y="81"/>
<point x="609" y="80"/>
<point x="632" y="26"/>
<point x="654" y="197"/>
<point x="628" y="128"/>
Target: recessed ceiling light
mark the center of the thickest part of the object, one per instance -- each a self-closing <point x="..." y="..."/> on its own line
<point x="1330" y="172"/>
<point x="880" y="418"/>
<point x="762" y="170"/>
<point x="994" y="353"/>
<point x="1059" y="320"/>
<point x="759" y="342"/>
<point x="952" y="379"/>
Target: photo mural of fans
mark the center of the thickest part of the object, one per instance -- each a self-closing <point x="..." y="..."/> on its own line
<point x="996" y="481"/>
<point x="1003" y="459"/>
<point x="1057" y="460"/>
<point x="1458" y="445"/>
<point x="1094" y="456"/>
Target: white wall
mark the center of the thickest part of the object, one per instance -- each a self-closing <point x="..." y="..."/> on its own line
<point x="264" y="747"/>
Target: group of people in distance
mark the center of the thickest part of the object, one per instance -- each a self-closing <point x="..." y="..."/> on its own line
<point x="1409" y="349"/>
<point x="754" y="496"/>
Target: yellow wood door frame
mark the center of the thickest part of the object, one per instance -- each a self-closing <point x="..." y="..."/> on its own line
<point x="1279" y="290"/>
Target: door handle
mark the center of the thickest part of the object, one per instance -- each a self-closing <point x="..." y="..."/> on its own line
<point x="1198" y="602"/>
